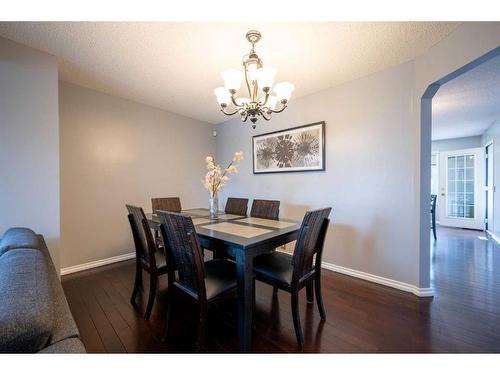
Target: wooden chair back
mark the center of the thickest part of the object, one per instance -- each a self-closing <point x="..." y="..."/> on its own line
<point x="236" y="206"/>
<point x="145" y="246"/>
<point x="265" y="209"/>
<point x="183" y="254"/>
<point x="310" y="242"/>
<point x="171" y="204"/>
<point x="433" y="202"/>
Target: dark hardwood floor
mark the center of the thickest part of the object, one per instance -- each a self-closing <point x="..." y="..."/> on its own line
<point x="464" y="315"/>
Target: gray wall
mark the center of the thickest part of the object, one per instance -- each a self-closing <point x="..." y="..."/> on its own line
<point x="456" y="144"/>
<point x="113" y="152"/>
<point x="378" y="160"/>
<point x="368" y="145"/>
<point x="493" y="134"/>
<point x="469" y="42"/>
<point x="29" y="142"/>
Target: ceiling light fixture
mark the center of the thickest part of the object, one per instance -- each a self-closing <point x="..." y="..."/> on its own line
<point x="258" y="103"/>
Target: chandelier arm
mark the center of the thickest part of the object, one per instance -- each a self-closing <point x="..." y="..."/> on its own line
<point x="255" y="92"/>
<point x="246" y="78"/>
<point x="229" y="113"/>
<point x="265" y="99"/>
<point x="279" y="110"/>
<point x="265" y="117"/>
<point x="233" y="100"/>
<point x="245" y="118"/>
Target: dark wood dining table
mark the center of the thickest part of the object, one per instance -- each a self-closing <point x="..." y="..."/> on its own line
<point x="243" y="238"/>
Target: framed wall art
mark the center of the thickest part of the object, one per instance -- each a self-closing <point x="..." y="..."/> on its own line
<point x="299" y="149"/>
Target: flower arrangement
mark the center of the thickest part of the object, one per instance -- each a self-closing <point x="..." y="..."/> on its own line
<point x="215" y="179"/>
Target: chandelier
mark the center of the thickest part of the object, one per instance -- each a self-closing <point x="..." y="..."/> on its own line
<point x="259" y="83"/>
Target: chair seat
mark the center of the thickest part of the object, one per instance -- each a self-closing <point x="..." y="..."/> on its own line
<point x="220" y="277"/>
<point x="277" y="266"/>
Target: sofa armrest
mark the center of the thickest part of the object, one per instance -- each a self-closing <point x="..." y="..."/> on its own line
<point x="19" y="238"/>
<point x="26" y="308"/>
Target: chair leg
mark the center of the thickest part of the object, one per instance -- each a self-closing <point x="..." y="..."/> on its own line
<point x="309" y="292"/>
<point x="137" y="283"/>
<point x="275" y="291"/>
<point x="253" y="306"/>
<point x="434" y="225"/>
<point x="319" y="297"/>
<point x="153" y="281"/>
<point x="168" y="316"/>
<point x="202" y="322"/>
<point x="296" y="318"/>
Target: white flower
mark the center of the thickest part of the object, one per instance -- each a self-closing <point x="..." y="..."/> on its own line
<point x="215" y="180"/>
<point x="232" y="169"/>
<point x="238" y="156"/>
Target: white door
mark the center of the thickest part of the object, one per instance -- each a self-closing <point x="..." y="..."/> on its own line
<point x="490" y="187"/>
<point x="461" y="188"/>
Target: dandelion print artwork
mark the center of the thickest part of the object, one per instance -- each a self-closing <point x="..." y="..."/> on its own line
<point x="291" y="150"/>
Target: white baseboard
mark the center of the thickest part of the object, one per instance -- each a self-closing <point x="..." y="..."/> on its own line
<point x="96" y="263"/>
<point x="420" y="292"/>
<point x="494" y="236"/>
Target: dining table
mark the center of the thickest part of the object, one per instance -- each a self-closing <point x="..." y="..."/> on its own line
<point x="242" y="238"/>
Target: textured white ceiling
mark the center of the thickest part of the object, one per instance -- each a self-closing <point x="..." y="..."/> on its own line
<point x="469" y="104"/>
<point x="176" y="66"/>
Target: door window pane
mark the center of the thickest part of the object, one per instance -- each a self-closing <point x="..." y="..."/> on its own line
<point x="469" y="174"/>
<point x="460" y="171"/>
<point x="469" y="161"/>
<point x="469" y="199"/>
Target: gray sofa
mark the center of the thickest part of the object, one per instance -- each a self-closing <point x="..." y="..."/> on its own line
<point x="34" y="313"/>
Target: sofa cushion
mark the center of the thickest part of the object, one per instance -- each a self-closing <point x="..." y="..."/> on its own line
<point x="26" y="311"/>
<point x="71" y="345"/>
<point x="18" y="238"/>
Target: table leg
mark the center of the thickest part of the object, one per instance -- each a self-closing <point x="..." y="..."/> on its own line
<point x="244" y="270"/>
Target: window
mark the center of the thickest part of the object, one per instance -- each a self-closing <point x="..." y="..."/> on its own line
<point x="460" y="171"/>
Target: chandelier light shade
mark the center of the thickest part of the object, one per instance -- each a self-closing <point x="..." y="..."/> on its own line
<point x="283" y="90"/>
<point x="232" y="79"/>
<point x="223" y="96"/>
<point x="259" y="81"/>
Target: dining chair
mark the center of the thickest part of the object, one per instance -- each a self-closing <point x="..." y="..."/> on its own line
<point x="433" y="215"/>
<point x="197" y="282"/>
<point x="172" y="204"/>
<point x="148" y="257"/>
<point x="265" y="209"/>
<point x="294" y="272"/>
<point x="236" y="206"/>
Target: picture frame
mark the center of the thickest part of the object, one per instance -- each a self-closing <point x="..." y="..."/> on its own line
<point x="297" y="149"/>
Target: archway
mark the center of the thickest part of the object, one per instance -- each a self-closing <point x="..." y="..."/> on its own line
<point x="425" y="160"/>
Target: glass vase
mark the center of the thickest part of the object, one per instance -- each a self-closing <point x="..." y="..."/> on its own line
<point x="213" y="206"/>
